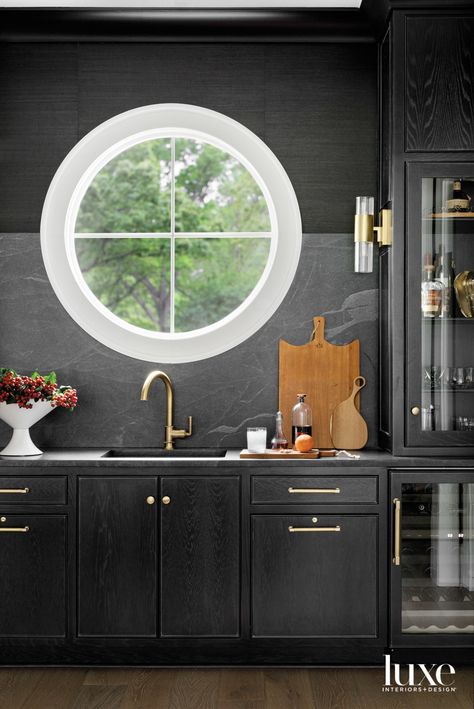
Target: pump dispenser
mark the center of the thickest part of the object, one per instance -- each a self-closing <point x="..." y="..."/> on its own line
<point x="279" y="441"/>
<point x="301" y="419"/>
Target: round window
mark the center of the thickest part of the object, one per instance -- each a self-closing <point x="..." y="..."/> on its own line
<point x="171" y="233"/>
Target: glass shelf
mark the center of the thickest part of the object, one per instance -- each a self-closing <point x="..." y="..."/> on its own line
<point x="450" y="215"/>
<point x="427" y="320"/>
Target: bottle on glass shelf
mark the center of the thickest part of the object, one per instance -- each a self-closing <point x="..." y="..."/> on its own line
<point x="301" y="419"/>
<point x="279" y="441"/>
<point x="460" y="200"/>
<point x="445" y="275"/>
<point x="431" y="290"/>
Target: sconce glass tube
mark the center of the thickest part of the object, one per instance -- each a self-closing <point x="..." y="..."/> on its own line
<point x="364" y="235"/>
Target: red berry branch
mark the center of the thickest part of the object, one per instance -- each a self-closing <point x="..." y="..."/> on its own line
<point x="24" y="390"/>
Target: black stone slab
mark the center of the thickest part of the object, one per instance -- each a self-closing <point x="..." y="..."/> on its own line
<point x="224" y="394"/>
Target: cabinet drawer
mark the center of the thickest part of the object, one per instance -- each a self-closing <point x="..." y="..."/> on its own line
<point x="25" y="491"/>
<point x="335" y="489"/>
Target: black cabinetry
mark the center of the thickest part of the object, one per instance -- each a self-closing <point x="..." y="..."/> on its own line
<point x="200" y="556"/>
<point x="427" y="143"/>
<point x="117" y="556"/>
<point x="314" y="576"/>
<point x="32" y="575"/>
<point x="318" y="557"/>
<point x="33" y="556"/>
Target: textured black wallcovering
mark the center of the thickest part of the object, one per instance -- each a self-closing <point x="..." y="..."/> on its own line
<point x="314" y="105"/>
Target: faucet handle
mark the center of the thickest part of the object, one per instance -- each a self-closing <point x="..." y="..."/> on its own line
<point x="180" y="432"/>
<point x="190" y="427"/>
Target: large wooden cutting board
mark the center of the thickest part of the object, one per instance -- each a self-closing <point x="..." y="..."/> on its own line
<point x="321" y="370"/>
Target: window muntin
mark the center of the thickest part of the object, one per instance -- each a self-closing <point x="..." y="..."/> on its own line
<point x="59" y="237"/>
<point x="172" y="234"/>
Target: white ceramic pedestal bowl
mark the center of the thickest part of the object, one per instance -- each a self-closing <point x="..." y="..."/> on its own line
<point x="21" y="421"/>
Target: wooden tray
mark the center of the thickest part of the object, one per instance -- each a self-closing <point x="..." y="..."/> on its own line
<point x="285" y="454"/>
<point x="323" y="371"/>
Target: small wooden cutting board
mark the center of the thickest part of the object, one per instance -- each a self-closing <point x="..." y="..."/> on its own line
<point x="348" y="428"/>
<point x="283" y="454"/>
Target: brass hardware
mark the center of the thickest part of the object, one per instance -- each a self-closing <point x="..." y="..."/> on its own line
<point x="364" y="227"/>
<point x="150" y="500"/>
<point x="314" y="490"/>
<point x="397" y="530"/>
<point x="170" y="431"/>
<point x="3" y="519"/>
<point x="14" y="491"/>
<point x="384" y="231"/>
<point x="337" y="528"/>
<point x="166" y="500"/>
<point x="415" y="410"/>
<point x="14" y="529"/>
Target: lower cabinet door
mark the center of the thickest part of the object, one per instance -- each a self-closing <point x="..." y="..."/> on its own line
<point x="200" y="556"/>
<point x="308" y="583"/>
<point x="32" y="575"/>
<point x="117" y="556"/>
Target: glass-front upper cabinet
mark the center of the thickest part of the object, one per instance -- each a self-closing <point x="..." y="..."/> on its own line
<point x="433" y="557"/>
<point x="440" y="305"/>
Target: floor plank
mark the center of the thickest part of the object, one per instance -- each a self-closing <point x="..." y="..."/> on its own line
<point x="99" y="697"/>
<point x="241" y="685"/>
<point x="287" y="689"/>
<point x="110" y="676"/>
<point x="195" y="689"/>
<point x="16" y="686"/>
<point x="334" y="689"/>
<point x="465" y="687"/>
<point x="149" y="689"/>
<point x="56" y="689"/>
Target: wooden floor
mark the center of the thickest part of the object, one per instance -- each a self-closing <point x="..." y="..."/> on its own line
<point x="217" y="689"/>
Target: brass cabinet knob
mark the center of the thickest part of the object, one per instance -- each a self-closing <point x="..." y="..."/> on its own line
<point x="150" y="500"/>
<point x="415" y="410"/>
<point x="166" y="500"/>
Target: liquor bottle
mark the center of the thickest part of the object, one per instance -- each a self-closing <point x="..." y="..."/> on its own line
<point x="460" y="200"/>
<point x="301" y="419"/>
<point x="279" y="441"/>
<point x="431" y="291"/>
<point x="445" y="275"/>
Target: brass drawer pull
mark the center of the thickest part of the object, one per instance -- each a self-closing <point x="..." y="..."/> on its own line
<point x="397" y="531"/>
<point x="315" y="490"/>
<point x="14" y="490"/>
<point x="14" y="529"/>
<point x="337" y="528"/>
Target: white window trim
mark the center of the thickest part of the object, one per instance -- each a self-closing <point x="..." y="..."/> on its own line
<point x="74" y="176"/>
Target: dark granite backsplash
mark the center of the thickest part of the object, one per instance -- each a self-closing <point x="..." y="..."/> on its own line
<point x="225" y="394"/>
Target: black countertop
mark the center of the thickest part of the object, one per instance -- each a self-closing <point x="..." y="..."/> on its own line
<point x="92" y="457"/>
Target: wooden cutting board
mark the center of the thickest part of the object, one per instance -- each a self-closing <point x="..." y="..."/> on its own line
<point x="324" y="372"/>
<point x="285" y="454"/>
<point x="348" y="428"/>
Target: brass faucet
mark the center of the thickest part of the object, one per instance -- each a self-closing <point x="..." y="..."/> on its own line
<point x="170" y="431"/>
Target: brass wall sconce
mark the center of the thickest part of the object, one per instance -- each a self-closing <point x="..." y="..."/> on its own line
<point x="364" y="230"/>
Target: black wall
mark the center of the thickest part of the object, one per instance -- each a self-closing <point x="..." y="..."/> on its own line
<point x="313" y="104"/>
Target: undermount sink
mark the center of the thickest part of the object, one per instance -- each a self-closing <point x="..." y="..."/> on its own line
<point x="161" y="453"/>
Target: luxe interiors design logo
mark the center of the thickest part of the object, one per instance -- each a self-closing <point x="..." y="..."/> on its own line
<point x="418" y="678"/>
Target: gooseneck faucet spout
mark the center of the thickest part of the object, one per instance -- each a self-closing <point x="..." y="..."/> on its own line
<point x="170" y="431"/>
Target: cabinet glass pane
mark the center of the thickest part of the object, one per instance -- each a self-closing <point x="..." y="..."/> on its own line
<point x="437" y="558"/>
<point x="447" y="306"/>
